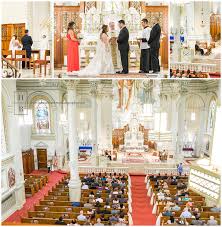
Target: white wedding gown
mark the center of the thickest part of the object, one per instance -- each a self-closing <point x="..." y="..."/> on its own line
<point x="101" y="62"/>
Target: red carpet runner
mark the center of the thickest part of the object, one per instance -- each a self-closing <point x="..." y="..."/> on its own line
<point x="53" y="178"/>
<point x="141" y="208"/>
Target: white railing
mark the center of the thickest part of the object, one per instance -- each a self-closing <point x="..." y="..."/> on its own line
<point x="203" y="67"/>
<point x="94" y="169"/>
<point x="163" y="171"/>
<point x="87" y="52"/>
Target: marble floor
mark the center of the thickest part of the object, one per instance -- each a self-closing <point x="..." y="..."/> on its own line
<point x="28" y="73"/>
<point x="133" y="74"/>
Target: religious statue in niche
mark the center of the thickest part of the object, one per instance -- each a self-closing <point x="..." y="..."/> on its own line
<point x="129" y="85"/>
<point x="11" y="177"/>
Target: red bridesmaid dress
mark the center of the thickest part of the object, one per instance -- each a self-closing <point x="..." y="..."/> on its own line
<point x="73" y="55"/>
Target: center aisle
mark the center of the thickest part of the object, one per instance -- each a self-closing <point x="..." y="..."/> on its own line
<point x="141" y="208"/>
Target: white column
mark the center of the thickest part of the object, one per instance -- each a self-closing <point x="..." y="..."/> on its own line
<point x="174" y="121"/>
<point x="16" y="149"/>
<point x="181" y="128"/>
<point x="3" y="138"/>
<point x="107" y="118"/>
<point x="99" y="122"/>
<point x="215" y="146"/>
<point x="74" y="183"/>
<point x="200" y="145"/>
<point x="93" y="91"/>
<point x="60" y="149"/>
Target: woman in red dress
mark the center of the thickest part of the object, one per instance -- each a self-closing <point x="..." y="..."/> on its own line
<point x="73" y="49"/>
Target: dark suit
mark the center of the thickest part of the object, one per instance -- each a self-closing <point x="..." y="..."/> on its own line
<point x="27" y="45"/>
<point x="154" y="42"/>
<point x="123" y="46"/>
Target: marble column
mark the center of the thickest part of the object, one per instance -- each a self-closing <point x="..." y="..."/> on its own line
<point x="100" y="138"/>
<point x="181" y="129"/>
<point x="3" y="138"/>
<point x="60" y="149"/>
<point x="16" y="149"/>
<point x="215" y="145"/>
<point x="174" y="121"/>
<point x="93" y="92"/>
<point x="74" y="183"/>
<point x="200" y="145"/>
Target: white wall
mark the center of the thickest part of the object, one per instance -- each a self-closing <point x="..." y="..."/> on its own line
<point x="35" y="15"/>
<point x="14" y="12"/>
<point x="13" y="197"/>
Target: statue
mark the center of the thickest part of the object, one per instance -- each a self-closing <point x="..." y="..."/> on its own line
<point x="129" y="85"/>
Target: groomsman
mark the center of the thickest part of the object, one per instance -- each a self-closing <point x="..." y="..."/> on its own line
<point x="123" y="46"/>
<point x="154" y="42"/>
<point x="27" y="45"/>
<point x="145" y="48"/>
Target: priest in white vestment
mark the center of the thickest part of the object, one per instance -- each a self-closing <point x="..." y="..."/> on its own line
<point x="113" y="34"/>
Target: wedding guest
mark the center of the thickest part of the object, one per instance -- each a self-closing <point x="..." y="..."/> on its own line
<point x="198" y="49"/>
<point x="154" y="42"/>
<point x="49" y="166"/>
<point x="27" y="45"/>
<point x="180" y="169"/>
<point x="212" y="221"/>
<point x="73" y="48"/>
<point x="145" y="48"/>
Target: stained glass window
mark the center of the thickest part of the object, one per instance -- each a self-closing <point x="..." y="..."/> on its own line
<point x="42" y="116"/>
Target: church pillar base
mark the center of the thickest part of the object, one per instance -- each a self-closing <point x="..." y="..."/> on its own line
<point x="20" y="195"/>
<point x="74" y="190"/>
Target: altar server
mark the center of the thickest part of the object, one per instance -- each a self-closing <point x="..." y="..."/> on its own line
<point x="145" y="48"/>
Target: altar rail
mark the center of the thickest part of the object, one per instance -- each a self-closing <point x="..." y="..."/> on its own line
<point x="163" y="171"/>
<point x="83" y="169"/>
<point x="193" y="66"/>
<point x="88" y="51"/>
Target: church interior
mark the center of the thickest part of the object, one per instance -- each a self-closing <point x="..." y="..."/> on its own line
<point x="16" y="17"/>
<point x="195" y="39"/>
<point x="89" y="16"/>
<point x="110" y="152"/>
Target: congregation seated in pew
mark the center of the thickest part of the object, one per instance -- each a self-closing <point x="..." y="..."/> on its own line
<point x="176" y="204"/>
<point x="105" y="202"/>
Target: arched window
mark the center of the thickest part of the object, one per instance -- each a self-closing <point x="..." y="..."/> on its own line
<point x="42" y="116"/>
<point x="211" y="116"/>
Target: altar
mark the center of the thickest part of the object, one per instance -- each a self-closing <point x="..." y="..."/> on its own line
<point x="134" y="138"/>
<point x="89" y="18"/>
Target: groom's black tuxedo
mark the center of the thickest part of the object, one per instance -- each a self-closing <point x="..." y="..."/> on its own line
<point x="123" y="46"/>
<point x="154" y="42"/>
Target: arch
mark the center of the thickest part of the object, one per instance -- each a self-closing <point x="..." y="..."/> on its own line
<point x="40" y="94"/>
<point x="185" y="97"/>
<point x="6" y="102"/>
<point x="33" y="98"/>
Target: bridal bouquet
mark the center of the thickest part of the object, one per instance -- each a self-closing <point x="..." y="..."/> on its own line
<point x="80" y="36"/>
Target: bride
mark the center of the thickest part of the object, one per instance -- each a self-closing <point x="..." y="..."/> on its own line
<point x="102" y="61"/>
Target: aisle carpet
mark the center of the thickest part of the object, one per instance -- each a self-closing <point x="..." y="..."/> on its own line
<point x="141" y="208"/>
<point x="53" y="178"/>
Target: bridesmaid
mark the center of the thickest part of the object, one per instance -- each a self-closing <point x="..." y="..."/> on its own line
<point x="73" y="49"/>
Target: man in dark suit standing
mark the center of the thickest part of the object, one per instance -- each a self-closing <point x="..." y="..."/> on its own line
<point x="27" y="45"/>
<point x="123" y="46"/>
<point x="154" y="42"/>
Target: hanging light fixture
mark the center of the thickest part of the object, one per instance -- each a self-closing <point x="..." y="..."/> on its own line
<point x="202" y="16"/>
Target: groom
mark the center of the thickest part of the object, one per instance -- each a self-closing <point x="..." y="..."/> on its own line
<point x="123" y="46"/>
